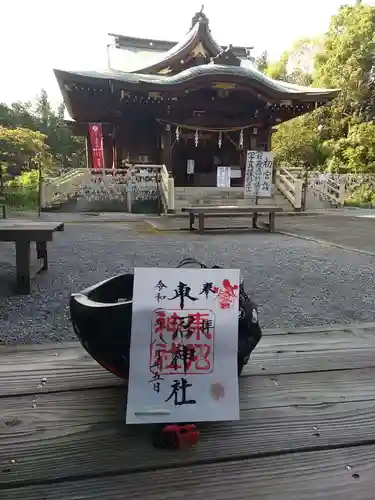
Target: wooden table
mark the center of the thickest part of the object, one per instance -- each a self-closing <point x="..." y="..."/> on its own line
<point x="23" y="233"/>
<point x="204" y="211"/>
<point x="306" y="432"/>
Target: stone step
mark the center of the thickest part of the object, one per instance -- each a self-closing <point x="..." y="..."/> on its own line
<point x="193" y="195"/>
<point x="184" y="203"/>
<point x="279" y="199"/>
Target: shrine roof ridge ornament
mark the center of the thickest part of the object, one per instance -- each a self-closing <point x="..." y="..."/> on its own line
<point x="194" y="76"/>
<point x="199" y="17"/>
<point x="226" y="57"/>
<point x="154" y="45"/>
<point x="198" y="41"/>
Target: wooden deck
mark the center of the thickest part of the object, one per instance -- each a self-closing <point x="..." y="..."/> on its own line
<point x="307" y="429"/>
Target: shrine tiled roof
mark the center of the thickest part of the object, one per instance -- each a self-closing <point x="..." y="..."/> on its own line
<point x="196" y="62"/>
<point x="208" y="73"/>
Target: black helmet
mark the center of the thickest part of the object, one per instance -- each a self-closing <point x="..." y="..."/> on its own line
<point x="102" y="316"/>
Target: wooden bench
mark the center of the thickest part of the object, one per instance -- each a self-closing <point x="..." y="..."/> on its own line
<point x="23" y="233"/>
<point x="306" y="429"/>
<point x="234" y="211"/>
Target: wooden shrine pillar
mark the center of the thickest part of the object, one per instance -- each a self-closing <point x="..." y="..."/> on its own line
<point x="118" y="151"/>
<point x="166" y="148"/>
<point x="246" y="147"/>
<point x="116" y="148"/>
<point x="271" y="131"/>
<point x="108" y="151"/>
<point x="254" y="138"/>
<point x="89" y="163"/>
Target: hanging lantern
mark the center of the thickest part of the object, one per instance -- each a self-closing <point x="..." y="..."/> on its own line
<point x="196" y="138"/>
<point x="220" y="141"/>
<point x="241" y="139"/>
<point x="177" y="134"/>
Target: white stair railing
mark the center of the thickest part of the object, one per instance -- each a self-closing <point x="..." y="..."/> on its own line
<point x="58" y="189"/>
<point x="167" y="189"/>
<point x="138" y="177"/>
<point x="329" y="187"/>
<point x="290" y="186"/>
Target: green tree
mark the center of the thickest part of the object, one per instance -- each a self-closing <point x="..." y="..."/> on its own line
<point x="354" y="153"/>
<point x="23" y="149"/>
<point x="19" y="114"/>
<point x="347" y="62"/>
<point x="300" y="77"/>
<point x="339" y="135"/>
<point x="262" y="62"/>
<point x="6" y="118"/>
<point x="295" y="64"/>
<point x="278" y="69"/>
<point x="44" y="113"/>
<point x="297" y="143"/>
<point x="23" y="190"/>
<point x="66" y="149"/>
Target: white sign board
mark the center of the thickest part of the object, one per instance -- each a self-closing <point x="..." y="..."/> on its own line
<point x="190" y="167"/>
<point x="223" y="177"/>
<point x="184" y="342"/>
<point x="258" y="176"/>
<point x="235" y="172"/>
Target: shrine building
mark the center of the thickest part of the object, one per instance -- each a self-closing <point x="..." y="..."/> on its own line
<point x="201" y="105"/>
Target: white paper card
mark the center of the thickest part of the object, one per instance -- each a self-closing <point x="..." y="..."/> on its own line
<point x="223" y="175"/>
<point x="190" y="167"/>
<point x="235" y="173"/>
<point x="258" y="176"/>
<point x="184" y="342"/>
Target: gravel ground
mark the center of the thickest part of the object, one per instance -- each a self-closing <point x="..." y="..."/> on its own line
<point x="295" y="282"/>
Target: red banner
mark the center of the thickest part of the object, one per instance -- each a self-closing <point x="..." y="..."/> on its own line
<point x="96" y="141"/>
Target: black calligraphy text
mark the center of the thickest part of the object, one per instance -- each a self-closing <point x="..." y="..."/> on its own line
<point x="179" y="393"/>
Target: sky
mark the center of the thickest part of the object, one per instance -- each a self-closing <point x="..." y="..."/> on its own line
<point x="37" y="36"/>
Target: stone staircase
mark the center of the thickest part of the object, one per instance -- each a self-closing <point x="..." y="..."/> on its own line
<point x="189" y="196"/>
<point x="58" y="190"/>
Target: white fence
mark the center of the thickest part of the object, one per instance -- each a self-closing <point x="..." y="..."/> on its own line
<point x="132" y="183"/>
<point x="334" y="189"/>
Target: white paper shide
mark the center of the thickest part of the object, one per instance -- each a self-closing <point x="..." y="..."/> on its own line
<point x="184" y="342"/>
<point x="258" y="175"/>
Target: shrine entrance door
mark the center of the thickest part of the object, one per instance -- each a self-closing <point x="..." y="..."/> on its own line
<point x="196" y="165"/>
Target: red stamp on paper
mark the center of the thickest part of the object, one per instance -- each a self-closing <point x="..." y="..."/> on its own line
<point x="227" y="294"/>
<point x="182" y="342"/>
